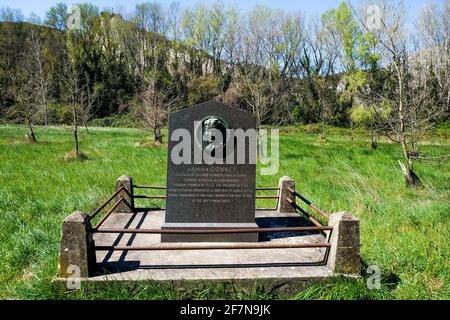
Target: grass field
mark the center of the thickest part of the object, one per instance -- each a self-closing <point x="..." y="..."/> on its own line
<point x="406" y="233"/>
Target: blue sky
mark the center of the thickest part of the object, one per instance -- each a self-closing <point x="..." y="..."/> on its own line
<point x="310" y="7"/>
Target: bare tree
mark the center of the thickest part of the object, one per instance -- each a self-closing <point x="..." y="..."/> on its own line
<point x="233" y="34"/>
<point x="255" y="95"/>
<point x="316" y="63"/>
<point x="407" y="91"/>
<point x="73" y="97"/>
<point x="434" y="41"/>
<point x="40" y="77"/>
<point x="25" y="108"/>
<point x="88" y="106"/>
<point x="269" y="41"/>
<point x="28" y="85"/>
<point x="250" y="83"/>
<point x="154" y="108"/>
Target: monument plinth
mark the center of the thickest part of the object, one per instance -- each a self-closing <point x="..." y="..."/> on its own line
<point x="211" y="173"/>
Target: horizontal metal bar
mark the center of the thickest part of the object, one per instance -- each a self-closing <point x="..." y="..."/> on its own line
<point x="211" y="231"/>
<point x="107" y="201"/>
<point x="148" y="187"/>
<point x="149" y="197"/>
<point x="122" y="199"/>
<point x="163" y="197"/>
<point x="309" y="203"/>
<point x="296" y="206"/>
<point x="295" y="193"/>
<point x="323" y="214"/>
<point x="214" y="246"/>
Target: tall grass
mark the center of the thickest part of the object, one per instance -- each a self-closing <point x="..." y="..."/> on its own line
<point x="404" y="232"/>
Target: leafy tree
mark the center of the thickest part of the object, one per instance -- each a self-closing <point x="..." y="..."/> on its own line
<point x="344" y="27"/>
<point x="57" y="16"/>
<point x="8" y="14"/>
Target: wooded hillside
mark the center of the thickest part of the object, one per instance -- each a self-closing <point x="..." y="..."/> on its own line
<point x="283" y="67"/>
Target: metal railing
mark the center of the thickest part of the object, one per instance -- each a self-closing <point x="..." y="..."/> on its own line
<point x="309" y="203"/>
<point x="213" y="246"/>
<point x="212" y="231"/>
<point x="236" y="246"/>
<point x="111" y="210"/>
<point x="107" y="201"/>
<point x="318" y="227"/>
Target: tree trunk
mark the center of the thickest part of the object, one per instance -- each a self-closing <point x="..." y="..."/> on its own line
<point x="323" y="129"/>
<point x="45" y="113"/>
<point x="260" y="146"/>
<point x="412" y="180"/>
<point x="45" y="117"/>
<point x="374" y="143"/>
<point x="158" y="135"/>
<point x="322" y="108"/>
<point x="75" y="135"/>
<point x="75" y="131"/>
<point x="31" y="137"/>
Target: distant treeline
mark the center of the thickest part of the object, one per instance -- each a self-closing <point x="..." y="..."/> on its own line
<point x="283" y="67"/>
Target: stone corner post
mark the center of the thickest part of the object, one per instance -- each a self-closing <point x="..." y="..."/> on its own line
<point x="77" y="253"/>
<point x="283" y="204"/>
<point x="344" y="255"/>
<point x="127" y="194"/>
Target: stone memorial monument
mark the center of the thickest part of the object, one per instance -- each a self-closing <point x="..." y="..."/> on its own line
<point x="211" y="169"/>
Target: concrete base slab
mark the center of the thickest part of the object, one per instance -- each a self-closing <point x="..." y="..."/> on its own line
<point x="270" y="267"/>
<point x="284" y="269"/>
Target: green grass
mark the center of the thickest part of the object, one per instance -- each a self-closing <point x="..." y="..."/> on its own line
<point x="404" y="232"/>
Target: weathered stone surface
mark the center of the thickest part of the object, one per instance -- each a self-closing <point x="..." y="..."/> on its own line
<point x="76" y="252"/>
<point x="344" y="252"/>
<point x="283" y="204"/>
<point x="201" y="195"/>
<point x="127" y="206"/>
